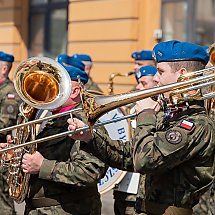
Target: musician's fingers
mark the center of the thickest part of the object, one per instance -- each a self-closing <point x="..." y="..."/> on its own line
<point x="9" y="139"/>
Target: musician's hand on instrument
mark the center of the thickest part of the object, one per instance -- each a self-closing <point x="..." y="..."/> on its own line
<point x="2" y="146"/>
<point x="9" y="154"/>
<point x="9" y="139"/>
<point x="31" y="163"/>
<point x="147" y="104"/>
<point x="74" y="124"/>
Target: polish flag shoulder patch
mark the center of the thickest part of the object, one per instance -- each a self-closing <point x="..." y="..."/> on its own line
<point x="10" y="96"/>
<point x="187" y="125"/>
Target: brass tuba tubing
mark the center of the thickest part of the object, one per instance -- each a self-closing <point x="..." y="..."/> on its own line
<point x="37" y="121"/>
<point x="51" y="137"/>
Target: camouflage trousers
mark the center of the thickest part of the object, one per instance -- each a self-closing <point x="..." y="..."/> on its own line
<point x="6" y="203"/>
<point x="88" y="206"/>
<point x="206" y="204"/>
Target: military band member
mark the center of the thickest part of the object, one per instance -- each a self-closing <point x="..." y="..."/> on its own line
<point x="176" y="151"/>
<point x="142" y="58"/>
<point x="124" y="200"/>
<point x="87" y="61"/>
<point x="63" y="177"/>
<point x="9" y="105"/>
<point x="125" y="197"/>
<point x="144" y="77"/>
<point x="9" y="100"/>
<point x="66" y="60"/>
<point x="206" y="205"/>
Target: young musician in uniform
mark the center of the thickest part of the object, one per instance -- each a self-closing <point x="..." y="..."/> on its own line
<point x="175" y="151"/>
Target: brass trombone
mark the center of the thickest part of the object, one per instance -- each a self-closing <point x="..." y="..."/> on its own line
<point x="96" y="106"/>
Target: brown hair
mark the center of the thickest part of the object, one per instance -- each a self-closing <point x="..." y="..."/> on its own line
<point x="188" y="65"/>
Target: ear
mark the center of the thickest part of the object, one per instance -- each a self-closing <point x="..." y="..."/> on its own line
<point x="182" y="71"/>
<point x="75" y="92"/>
<point x="4" y="69"/>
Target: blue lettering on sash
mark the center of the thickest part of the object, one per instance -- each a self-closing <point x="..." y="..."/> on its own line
<point x="115" y="116"/>
<point x="121" y="132"/>
<point x="109" y="174"/>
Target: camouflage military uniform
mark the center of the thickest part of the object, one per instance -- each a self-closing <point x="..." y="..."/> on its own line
<point x="9" y="103"/>
<point x="9" y="106"/>
<point x="91" y="85"/>
<point x="206" y="205"/>
<point x="177" y="156"/>
<point x="67" y="181"/>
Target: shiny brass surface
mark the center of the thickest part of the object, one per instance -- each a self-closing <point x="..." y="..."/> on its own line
<point x="111" y="80"/>
<point x="198" y="85"/>
<point x="211" y="51"/>
<point x="95" y="107"/>
<point x="40" y="86"/>
<point x="38" y="82"/>
<point x="17" y="179"/>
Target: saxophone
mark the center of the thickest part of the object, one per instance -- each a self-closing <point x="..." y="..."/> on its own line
<point x="42" y="83"/>
<point x="111" y="82"/>
<point x="17" y="179"/>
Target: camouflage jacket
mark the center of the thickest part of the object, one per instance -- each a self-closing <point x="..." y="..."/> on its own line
<point x="9" y="106"/>
<point x="177" y="156"/>
<point x="91" y="85"/>
<point x="68" y="175"/>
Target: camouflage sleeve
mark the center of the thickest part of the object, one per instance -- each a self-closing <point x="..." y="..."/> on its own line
<point x="9" y="109"/>
<point x="160" y="150"/>
<point x="115" y="153"/>
<point x="83" y="169"/>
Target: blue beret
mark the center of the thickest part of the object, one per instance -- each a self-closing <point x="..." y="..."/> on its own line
<point x="74" y="72"/>
<point x="82" y="57"/>
<point x="206" y="48"/>
<point x="179" y="51"/>
<point x="145" y="71"/>
<point x="142" y="55"/>
<point x="6" y="57"/>
<point x="64" y="58"/>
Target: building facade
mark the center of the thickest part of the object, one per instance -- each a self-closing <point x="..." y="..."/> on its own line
<point x="108" y="30"/>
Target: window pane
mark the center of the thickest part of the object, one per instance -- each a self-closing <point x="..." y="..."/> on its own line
<point x="38" y="2"/>
<point x="37" y="35"/>
<point x="205" y="19"/>
<point x="58" y="32"/>
<point x="174" y="16"/>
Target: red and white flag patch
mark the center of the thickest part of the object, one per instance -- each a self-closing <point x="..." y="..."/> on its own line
<point x="10" y="96"/>
<point x="187" y="125"/>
